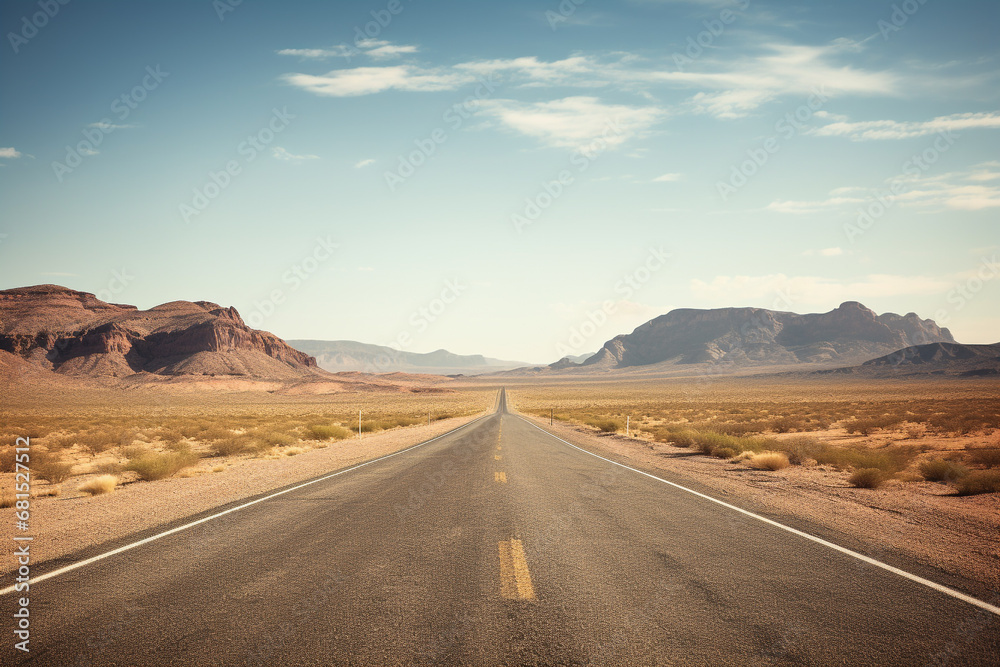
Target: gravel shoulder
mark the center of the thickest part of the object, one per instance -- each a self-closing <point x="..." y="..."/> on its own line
<point x="948" y="534"/>
<point x="64" y="525"/>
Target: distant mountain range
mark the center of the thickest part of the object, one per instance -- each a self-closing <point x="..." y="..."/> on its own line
<point x="348" y="355"/>
<point x="739" y="338"/>
<point x="933" y="359"/>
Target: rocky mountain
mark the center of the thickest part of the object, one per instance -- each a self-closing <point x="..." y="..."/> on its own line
<point x="75" y="333"/>
<point x="742" y="337"/>
<point x="934" y="359"/>
<point x="349" y="355"/>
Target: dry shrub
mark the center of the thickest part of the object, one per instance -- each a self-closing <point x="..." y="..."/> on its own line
<point x="7" y="499"/>
<point x="940" y="470"/>
<point x="50" y="466"/>
<point x="7" y="458"/>
<point x="988" y="457"/>
<point x="152" y="466"/>
<point x="234" y="445"/>
<point x="605" y="425"/>
<point x="980" y="481"/>
<point x="769" y="461"/>
<point x="327" y="432"/>
<point x="99" y="485"/>
<point x="868" y="478"/>
<point x="724" y="453"/>
<point x="293" y="451"/>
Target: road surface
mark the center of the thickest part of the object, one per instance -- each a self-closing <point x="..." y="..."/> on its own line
<point x="495" y="544"/>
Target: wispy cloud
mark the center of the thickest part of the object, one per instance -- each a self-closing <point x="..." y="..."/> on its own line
<point x="282" y="154"/>
<point x="573" y="122"/>
<point x="361" y="164"/>
<point x="974" y="189"/>
<point x="10" y="153"/>
<point x="730" y="290"/>
<point x="893" y="129"/>
<point x="370" y="80"/>
<point x="825" y="252"/>
<point x="668" y="178"/>
<point x="108" y="127"/>
<point x="376" y="49"/>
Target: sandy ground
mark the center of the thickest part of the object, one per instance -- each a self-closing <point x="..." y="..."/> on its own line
<point x="959" y="535"/>
<point x="63" y="525"/>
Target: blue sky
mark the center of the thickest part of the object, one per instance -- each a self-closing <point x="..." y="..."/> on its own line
<point x="515" y="179"/>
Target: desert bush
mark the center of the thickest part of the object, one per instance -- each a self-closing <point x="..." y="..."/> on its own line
<point x="99" y="485"/>
<point x="866" y="426"/>
<point x="769" y="461"/>
<point x="277" y="438"/>
<point x="169" y="435"/>
<point x="724" y="453"/>
<point x="327" y="432"/>
<point x="152" y="466"/>
<point x="7" y="458"/>
<point x="606" y="425"/>
<point x="868" y="478"/>
<point x="293" y="451"/>
<point x="800" y="449"/>
<point x="890" y="459"/>
<point x="988" y="457"/>
<point x="940" y="470"/>
<point x="233" y="445"/>
<point x="134" y="451"/>
<point x="7" y="499"/>
<point x="97" y="441"/>
<point x="980" y="481"/>
<point x="214" y="433"/>
<point x="50" y="466"/>
<point x="787" y="424"/>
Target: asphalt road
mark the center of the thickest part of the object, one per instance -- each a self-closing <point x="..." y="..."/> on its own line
<point x="497" y="544"/>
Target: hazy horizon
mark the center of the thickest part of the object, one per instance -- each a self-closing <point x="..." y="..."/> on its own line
<point x="330" y="169"/>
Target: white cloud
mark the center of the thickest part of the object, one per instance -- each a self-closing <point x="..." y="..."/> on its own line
<point x="108" y="127"/>
<point x="282" y="154"/>
<point x="573" y="122"/>
<point x="974" y="189"/>
<point x="668" y="178"/>
<point x="739" y="290"/>
<point x="361" y="164"/>
<point x="10" y="153"/>
<point x="831" y="252"/>
<point x="375" y="49"/>
<point x="370" y="80"/>
<point x="892" y="129"/>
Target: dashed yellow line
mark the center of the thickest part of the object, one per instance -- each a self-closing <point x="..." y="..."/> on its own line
<point x="496" y="457"/>
<point x="500" y="477"/>
<point x="515" y="579"/>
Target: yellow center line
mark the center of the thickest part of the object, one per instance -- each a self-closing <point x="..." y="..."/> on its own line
<point x="496" y="457"/>
<point x="515" y="579"/>
<point x="500" y="477"/>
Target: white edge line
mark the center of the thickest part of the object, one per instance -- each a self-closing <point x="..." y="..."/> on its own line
<point x="127" y="547"/>
<point x="836" y="547"/>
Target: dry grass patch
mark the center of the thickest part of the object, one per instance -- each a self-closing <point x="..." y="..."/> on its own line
<point x="868" y="478"/>
<point x="981" y="481"/>
<point x="769" y="461"/>
<point x="152" y="466"/>
<point x="99" y="485"/>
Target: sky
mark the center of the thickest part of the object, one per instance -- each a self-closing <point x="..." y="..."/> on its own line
<point x="522" y="180"/>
